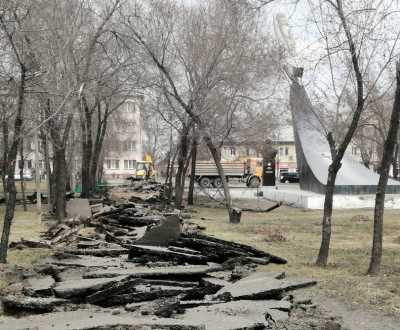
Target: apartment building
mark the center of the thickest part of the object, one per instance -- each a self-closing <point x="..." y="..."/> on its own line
<point x="124" y="145"/>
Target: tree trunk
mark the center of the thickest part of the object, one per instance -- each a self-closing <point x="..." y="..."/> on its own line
<point x="396" y="162"/>
<point x="50" y="193"/>
<point x="85" y="173"/>
<point x="87" y="145"/>
<point x="322" y="259"/>
<point x="180" y="173"/>
<point x="11" y="159"/>
<point x="365" y="158"/>
<point x="337" y="154"/>
<point x="217" y="159"/>
<point x="98" y="146"/>
<point x="5" y="157"/>
<point x="21" y="175"/>
<point x="60" y="178"/>
<point x="170" y="175"/>
<point x="193" y="171"/>
<point x="167" y="174"/>
<point x="387" y="158"/>
<point x="4" y="182"/>
<point x="9" y="215"/>
<point x="168" y="167"/>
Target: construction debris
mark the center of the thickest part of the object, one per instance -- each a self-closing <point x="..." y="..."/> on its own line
<point x="79" y="207"/>
<point x="33" y="244"/>
<point x="146" y="191"/>
<point x="12" y="303"/>
<point x="261" y="286"/>
<point x="39" y="286"/>
<point x="142" y="267"/>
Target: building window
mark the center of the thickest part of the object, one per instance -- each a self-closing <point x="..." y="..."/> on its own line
<point x="113" y="164"/>
<point x="30" y="164"/>
<point x="129" y="146"/>
<point x="233" y="151"/>
<point x="132" y="163"/>
<point x="354" y="150"/>
<point x="286" y="151"/>
<point x="129" y="164"/>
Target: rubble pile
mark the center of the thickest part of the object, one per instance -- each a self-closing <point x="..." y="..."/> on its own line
<point x="57" y="234"/>
<point x="142" y="267"/>
<point x="146" y="191"/>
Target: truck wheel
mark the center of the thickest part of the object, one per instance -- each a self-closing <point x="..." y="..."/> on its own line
<point x="205" y="182"/>
<point x="217" y="183"/>
<point x="254" y="182"/>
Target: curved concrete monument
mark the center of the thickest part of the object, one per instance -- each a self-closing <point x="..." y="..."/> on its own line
<point x="312" y="148"/>
<point x="314" y="156"/>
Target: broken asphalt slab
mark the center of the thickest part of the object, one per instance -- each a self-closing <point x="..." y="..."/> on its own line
<point x="169" y="230"/>
<point x="143" y="253"/>
<point x="147" y="272"/>
<point x="39" y="286"/>
<point x="84" y="261"/>
<point x="36" y="304"/>
<point x="79" y="207"/>
<point x="115" y="288"/>
<point x="243" y="314"/>
<point x="145" y="293"/>
<point x="100" y="252"/>
<point x="88" y="320"/>
<point x="259" y="286"/>
<point x="236" y="247"/>
<point x="82" y="287"/>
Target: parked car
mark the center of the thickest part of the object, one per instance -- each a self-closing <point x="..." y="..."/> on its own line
<point x="290" y="177"/>
<point x="27" y="176"/>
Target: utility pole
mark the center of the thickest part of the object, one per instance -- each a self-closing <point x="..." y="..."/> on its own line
<point x="37" y="175"/>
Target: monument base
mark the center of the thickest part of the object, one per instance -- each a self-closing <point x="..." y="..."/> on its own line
<point x="292" y="195"/>
<point x="309" y="200"/>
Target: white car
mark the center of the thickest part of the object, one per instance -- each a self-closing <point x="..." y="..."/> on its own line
<point x="27" y="176"/>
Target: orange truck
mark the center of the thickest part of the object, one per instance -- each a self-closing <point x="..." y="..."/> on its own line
<point x="248" y="170"/>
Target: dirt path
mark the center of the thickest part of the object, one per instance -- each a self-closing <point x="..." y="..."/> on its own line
<point x="356" y="319"/>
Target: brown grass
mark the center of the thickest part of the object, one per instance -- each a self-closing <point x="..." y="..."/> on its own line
<point x="296" y="237"/>
<point x="344" y="278"/>
<point x="30" y="186"/>
<point x="26" y="225"/>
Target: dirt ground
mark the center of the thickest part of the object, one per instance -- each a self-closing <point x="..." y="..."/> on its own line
<point x="26" y="225"/>
<point x="295" y="235"/>
<point x="364" y="302"/>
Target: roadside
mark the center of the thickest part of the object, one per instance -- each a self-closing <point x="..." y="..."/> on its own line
<point x="295" y="235"/>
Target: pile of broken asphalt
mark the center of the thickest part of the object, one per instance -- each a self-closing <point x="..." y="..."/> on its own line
<point x="143" y="267"/>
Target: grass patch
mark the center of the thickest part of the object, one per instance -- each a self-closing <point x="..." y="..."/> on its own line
<point x="3" y="284"/>
<point x="29" y="185"/>
<point x="26" y="225"/>
<point x="344" y="278"/>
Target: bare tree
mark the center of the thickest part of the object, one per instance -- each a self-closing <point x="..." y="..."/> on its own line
<point x="387" y="158"/>
<point x="13" y="34"/>
<point x="202" y="53"/>
<point x="349" y="33"/>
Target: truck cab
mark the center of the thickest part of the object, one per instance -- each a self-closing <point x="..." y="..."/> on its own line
<point x="144" y="170"/>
